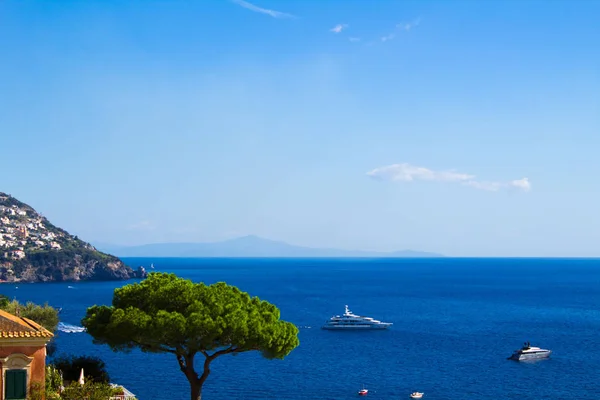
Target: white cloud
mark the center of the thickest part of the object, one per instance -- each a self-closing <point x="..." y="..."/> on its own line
<point x="338" y="28"/>
<point x="272" y="13"/>
<point x="407" y="173"/>
<point x="522" y="184"/>
<point x="407" y="26"/>
<point x="388" y="37"/>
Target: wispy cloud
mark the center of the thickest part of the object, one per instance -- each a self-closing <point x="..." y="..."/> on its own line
<point x="403" y="26"/>
<point x="338" y="28"/>
<point x="272" y="13"/>
<point x="408" y="173"/>
<point x="407" y="26"/>
<point x="522" y="184"/>
<point x="354" y="39"/>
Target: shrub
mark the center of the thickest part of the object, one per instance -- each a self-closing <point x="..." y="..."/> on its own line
<point x="36" y="391"/>
<point x="94" y="368"/>
<point x="54" y="380"/>
<point x="89" y="391"/>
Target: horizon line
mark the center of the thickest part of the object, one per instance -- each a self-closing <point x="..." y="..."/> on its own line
<point x="372" y="257"/>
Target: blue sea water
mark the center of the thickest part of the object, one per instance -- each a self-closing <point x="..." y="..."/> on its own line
<point x="455" y="323"/>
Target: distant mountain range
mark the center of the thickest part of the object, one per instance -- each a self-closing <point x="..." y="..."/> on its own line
<point x="247" y="246"/>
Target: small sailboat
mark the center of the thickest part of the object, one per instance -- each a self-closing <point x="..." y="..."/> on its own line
<point x="363" y="391"/>
<point x="416" y="395"/>
<point x="152" y="266"/>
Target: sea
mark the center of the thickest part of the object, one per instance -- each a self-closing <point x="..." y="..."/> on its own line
<point x="455" y="322"/>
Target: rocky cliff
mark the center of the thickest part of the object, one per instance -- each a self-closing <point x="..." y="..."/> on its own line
<point x="34" y="250"/>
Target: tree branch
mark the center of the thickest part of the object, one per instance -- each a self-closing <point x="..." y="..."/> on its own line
<point x="181" y="362"/>
<point x="228" y="350"/>
<point x="151" y="347"/>
<point x="240" y="350"/>
<point x="189" y="362"/>
<point x="216" y="354"/>
<point x="167" y="350"/>
<point x="206" y="370"/>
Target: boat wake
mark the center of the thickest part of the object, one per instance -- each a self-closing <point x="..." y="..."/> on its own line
<point x="68" y="328"/>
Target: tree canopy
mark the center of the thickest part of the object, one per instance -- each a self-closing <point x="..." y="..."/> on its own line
<point x="168" y="314"/>
<point x="45" y="315"/>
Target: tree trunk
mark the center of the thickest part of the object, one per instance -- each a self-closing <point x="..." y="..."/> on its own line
<point x="187" y="367"/>
<point x="186" y="364"/>
<point x="196" y="390"/>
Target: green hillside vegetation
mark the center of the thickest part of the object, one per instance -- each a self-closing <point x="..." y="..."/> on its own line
<point x="32" y="249"/>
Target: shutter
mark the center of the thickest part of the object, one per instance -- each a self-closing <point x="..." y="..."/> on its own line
<point x="9" y="386"/>
<point x="16" y="384"/>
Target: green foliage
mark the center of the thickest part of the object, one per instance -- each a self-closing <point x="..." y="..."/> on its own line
<point x="57" y="265"/>
<point x="36" y="391"/>
<point x="89" y="391"/>
<point x="53" y="396"/>
<point x="41" y="258"/>
<point x="45" y="315"/>
<point x="11" y="201"/>
<point x="93" y="368"/>
<point x="4" y="301"/>
<point x="54" y="380"/>
<point x="164" y="313"/>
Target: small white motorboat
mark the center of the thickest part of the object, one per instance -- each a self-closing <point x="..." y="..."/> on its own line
<point x="416" y="395"/>
<point x="363" y="391"/>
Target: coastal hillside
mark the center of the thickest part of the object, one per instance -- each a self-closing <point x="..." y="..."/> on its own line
<point x="34" y="250"/>
<point x="250" y="246"/>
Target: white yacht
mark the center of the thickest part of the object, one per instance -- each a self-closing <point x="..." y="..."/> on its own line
<point x="528" y="352"/>
<point x="352" y="321"/>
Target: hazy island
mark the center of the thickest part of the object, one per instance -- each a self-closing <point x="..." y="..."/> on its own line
<point x="251" y="246"/>
<point x="34" y="250"/>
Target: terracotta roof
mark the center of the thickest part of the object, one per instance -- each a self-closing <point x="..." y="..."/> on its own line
<point x="12" y="326"/>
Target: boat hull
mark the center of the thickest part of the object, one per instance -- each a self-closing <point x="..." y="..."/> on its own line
<point x="531" y="356"/>
<point x="355" y="327"/>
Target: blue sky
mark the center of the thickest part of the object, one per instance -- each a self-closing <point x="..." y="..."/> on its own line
<point x="353" y="124"/>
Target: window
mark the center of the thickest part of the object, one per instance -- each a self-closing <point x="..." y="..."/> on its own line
<point x="16" y="384"/>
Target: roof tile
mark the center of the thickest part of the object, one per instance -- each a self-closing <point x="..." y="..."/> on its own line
<point x="12" y="326"/>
